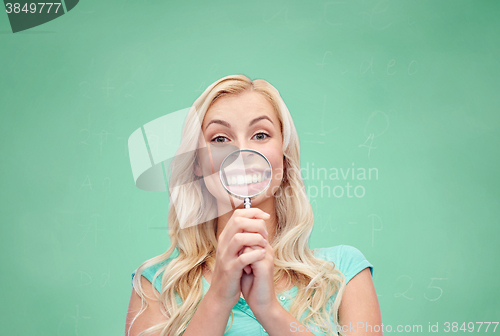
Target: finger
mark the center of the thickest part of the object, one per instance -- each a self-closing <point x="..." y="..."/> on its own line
<point x="245" y="219"/>
<point x="247" y="225"/>
<point x="248" y="268"/>
<point x="245" y="259"/>
<point x="251" y="213"/>
<point x="242" y="240"/>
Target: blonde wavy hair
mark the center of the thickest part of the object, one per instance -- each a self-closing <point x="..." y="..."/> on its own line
<point x="317" y="280"/>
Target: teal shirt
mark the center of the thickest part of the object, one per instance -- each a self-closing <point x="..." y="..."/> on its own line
<point x="348" y="259"/>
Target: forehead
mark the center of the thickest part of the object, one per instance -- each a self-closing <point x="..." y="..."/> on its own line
<point x="243" y="106"/>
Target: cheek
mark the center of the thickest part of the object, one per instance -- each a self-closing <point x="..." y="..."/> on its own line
<point x="276" y="160"/>
<point x="275" y="157"/>
<point x="278" y="168"/>
<point x="211" y="157"/>
<point x="214" y="186"/>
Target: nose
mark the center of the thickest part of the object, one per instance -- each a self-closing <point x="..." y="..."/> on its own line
<point x="245" y="144"/>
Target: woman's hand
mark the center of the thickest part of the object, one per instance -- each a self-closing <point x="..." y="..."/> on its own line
<point x="258" y="286"/>
<point x="246" y="227"/>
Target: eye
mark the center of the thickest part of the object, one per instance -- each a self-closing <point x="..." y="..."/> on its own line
<point x="260" y="136"/>
<point x="218" y="137"/>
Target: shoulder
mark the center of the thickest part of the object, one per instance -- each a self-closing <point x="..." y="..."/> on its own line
<point x="347" y="259"/>
<point x="150" y="272"/>
<point x="139" y="318"/>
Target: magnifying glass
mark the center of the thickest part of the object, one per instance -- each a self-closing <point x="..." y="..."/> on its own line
<point x="245" y="174"/>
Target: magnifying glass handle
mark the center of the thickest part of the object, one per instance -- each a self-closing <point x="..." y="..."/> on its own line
<point x="247" y="202"/>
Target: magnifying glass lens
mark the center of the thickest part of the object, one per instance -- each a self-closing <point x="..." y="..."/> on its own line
<point x="245" y="173"/>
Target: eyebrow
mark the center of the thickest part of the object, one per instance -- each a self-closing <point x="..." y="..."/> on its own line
<point x="224" y="123"/>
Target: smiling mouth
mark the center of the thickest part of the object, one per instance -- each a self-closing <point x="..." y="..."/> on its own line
<point x="248" y="179"/>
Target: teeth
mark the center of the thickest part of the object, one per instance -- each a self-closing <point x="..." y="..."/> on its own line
<point x="246" y="179"/>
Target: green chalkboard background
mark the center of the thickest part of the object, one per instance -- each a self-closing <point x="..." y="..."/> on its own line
<point x="408" y="88"/>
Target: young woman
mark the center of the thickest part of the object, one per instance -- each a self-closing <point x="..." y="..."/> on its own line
<point x="250" y="271"/>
